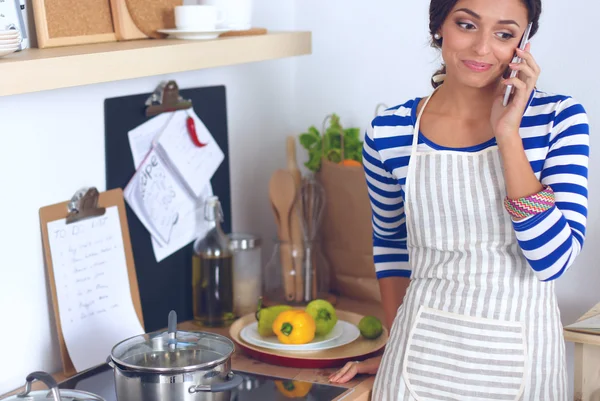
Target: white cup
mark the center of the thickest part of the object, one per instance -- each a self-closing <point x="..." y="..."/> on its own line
<point x="198" y="17"/>
<point x="238" y="13"/>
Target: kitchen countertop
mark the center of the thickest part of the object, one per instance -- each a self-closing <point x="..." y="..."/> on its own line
<point x="586" y="378"/>
<point x="584" y="338"/>
<point x="362" y="384"/>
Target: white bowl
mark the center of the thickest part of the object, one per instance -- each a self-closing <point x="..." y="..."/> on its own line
<point x="4" y="52"/>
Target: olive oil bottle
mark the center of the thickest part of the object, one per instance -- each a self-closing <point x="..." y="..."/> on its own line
<point x="212" y="271"/>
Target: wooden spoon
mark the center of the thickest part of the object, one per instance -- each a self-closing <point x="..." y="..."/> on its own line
<point x="282" y="192"/>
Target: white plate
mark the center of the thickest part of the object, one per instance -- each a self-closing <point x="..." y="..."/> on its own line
<point x="10" y="37"/>
<point x="11" y="46"/>
<point x="193" y="34"/>
<point x="251" y="332"/>
<point x="343" y="333"/>
<point x="7" y="42"/>
<point x="4" y="52"/>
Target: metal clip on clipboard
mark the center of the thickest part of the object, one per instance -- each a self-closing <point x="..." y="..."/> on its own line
<point x="83" y="205"/>
<point x="166" y="98"/>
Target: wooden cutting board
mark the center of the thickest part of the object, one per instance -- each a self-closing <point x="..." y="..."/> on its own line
<point x="125" y="28"/>
<point x="150" y="15"/>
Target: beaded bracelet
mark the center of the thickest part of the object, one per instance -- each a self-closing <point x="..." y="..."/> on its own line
<point x="530" y="205"/>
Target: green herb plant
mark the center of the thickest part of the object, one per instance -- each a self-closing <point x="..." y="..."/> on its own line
<point x="330" y="143"/>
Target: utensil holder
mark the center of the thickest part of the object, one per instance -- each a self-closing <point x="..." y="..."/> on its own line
<point x="307" y="259"/>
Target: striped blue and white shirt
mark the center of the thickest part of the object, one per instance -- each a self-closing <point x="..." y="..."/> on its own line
<point x="555" y="133"/>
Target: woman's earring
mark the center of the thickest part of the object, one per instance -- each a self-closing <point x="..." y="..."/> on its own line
<point x="437" y="36"/>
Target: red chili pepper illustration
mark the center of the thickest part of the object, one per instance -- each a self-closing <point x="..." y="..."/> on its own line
<point x="191" y="127"/>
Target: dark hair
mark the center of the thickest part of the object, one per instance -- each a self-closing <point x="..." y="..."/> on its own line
<point x="439" y="10"/>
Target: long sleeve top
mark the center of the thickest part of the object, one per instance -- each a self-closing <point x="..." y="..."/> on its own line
<point x="555" y="135"/>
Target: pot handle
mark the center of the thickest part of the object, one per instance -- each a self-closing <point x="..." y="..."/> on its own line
<point x="233" y="382"/>
<point x="44" y="377"/>
<point x="110" y="362"/>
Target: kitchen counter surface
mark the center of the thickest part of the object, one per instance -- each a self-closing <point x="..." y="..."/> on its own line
<point x="361" y="385"/>
<point x="587" y="361"/>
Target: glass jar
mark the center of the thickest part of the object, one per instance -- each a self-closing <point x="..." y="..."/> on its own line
<point x="247" y="272"/>
<point x="212" y="271"/>
<point x="295" y="274"/>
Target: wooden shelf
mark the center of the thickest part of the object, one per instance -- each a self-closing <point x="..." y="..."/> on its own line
<point x="34" y="70"/>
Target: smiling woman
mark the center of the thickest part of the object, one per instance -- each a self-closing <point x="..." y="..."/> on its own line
<point x="445" y="15"/>
<point x="477" y="209"/>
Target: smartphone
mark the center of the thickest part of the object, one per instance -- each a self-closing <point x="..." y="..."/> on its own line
<point x="517" y="59"/>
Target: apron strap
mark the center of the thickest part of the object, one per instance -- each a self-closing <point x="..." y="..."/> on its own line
<point x="418" y="122"/>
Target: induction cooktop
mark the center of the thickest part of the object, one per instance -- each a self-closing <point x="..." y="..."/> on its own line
<point x="100" y="380"/>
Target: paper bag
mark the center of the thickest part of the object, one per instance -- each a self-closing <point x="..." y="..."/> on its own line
<point x="346" y="231"/>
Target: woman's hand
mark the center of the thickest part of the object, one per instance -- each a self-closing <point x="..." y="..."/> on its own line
<point x="507" y="120"/>
<point x="351" y="369"/>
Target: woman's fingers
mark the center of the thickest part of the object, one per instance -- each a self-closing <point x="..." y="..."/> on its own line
<point x="529" y="59"/>
<point x="348" y="376"/>
<point x="346" y="373"/>
<point x="526" y="73"/>
<point x="521" y="95"/>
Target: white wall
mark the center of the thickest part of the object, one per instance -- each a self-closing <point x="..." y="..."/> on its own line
<point x="378" y="51"/>
<point x="374" y="52"/>
<point x="53" y="143"/>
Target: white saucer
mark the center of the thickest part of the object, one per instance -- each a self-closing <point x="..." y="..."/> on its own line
<point x="193" y="34"/>
<point x="343" y="333"/>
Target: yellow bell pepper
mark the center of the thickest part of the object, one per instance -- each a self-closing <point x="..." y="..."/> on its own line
<point x="293" y="388"/>
<point x="294" y="327"/>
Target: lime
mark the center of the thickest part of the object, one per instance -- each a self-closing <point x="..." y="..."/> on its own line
<point x="370" y="327"/>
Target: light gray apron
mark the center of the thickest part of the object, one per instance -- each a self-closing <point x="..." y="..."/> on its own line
<point x="476" y="323"/>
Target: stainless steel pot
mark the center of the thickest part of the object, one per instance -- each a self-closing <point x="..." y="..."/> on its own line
<point x="174" y="366"/>
<point x="54" y="394"/>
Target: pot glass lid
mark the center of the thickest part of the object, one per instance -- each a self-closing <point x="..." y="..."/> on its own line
<point x="170" y="351"/>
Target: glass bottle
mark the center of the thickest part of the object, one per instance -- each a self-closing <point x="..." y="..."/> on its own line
<point x="212" y="271"/>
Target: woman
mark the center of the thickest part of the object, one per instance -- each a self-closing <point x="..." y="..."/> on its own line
<point x="480" y="207"/>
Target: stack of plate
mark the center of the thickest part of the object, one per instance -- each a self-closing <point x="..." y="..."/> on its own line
<point x="10" y="41"/>
<point x="343" y="333"/>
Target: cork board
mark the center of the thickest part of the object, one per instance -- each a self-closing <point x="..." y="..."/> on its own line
<point x="73" y="22"/>
<point x="151" y="15"/>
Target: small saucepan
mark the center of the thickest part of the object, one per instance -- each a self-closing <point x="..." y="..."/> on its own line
<point x="174" y="366"/>
<point x="52" y="394"/>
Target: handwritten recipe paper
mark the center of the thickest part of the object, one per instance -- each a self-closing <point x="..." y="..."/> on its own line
<point x="92" y="287"/>
<point x="195" y="165"/>
<point x="189" y="223"/>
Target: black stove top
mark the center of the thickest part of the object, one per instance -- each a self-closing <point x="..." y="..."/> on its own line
<point x="100" y="381"/>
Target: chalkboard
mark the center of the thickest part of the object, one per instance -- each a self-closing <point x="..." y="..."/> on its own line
<point x="164" y="286"/>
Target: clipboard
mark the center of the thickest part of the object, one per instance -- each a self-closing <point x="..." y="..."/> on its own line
<point x="160" y="293"/>
<point x="86" y="203"/>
